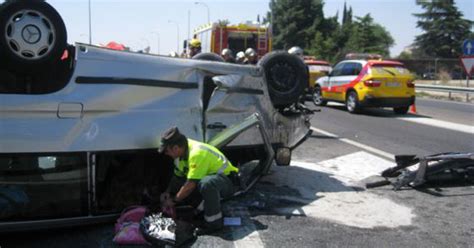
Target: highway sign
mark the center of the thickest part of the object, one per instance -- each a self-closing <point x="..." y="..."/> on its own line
<point x="468" y="64"/>
<point x="468" y="47"/>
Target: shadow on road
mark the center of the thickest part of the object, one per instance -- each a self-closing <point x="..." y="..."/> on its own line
<point x="279" y="194"/>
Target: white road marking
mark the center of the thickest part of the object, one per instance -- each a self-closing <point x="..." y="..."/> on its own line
<point x="439" y="123"/>
<point x="248" y="240"/>
<point x="357" y="144"/>
<point x="330" y="183"/>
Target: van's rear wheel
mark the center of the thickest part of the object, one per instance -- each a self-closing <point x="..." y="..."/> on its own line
<point x="32" y="34"/>
<point x="286" y="76"/>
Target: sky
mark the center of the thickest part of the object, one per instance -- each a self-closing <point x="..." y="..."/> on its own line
<point x="155" y="23"/>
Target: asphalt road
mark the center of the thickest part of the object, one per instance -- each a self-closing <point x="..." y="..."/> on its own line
<point x="320" y="200"/>
<point x="403" y="134"/>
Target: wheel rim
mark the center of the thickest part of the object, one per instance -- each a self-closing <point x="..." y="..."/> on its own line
<point x="317" y="96"/>
<point x="351" y="102"/>
<point x="30" y="35"/>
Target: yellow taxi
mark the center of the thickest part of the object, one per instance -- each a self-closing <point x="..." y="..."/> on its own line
<point x="367" y="82"/>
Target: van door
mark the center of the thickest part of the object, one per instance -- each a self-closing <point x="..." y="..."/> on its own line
<point x="229" y="99"/>
<point x="249" y="171"/>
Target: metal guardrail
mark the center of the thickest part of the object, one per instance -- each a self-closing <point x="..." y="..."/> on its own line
<point x="444" y="88"/>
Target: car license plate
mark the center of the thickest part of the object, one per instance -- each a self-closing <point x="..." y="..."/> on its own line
<point x="392" y="84"/>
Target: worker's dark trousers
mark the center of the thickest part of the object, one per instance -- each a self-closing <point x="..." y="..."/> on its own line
<point x="213" y="188"/>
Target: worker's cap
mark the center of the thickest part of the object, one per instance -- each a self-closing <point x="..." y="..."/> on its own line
<point x="195" y="43"/>
<point x="170" y="137"/>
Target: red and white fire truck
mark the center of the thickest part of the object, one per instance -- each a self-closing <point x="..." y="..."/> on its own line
<point x="216" y="36"/>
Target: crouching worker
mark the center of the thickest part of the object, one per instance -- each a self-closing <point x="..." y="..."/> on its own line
<point x="199" y="168"/>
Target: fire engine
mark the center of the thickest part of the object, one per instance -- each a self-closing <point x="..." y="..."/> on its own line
<point x="216" y="36"/>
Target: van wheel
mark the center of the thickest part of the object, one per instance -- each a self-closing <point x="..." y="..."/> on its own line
<point x="208" y="56"/>
<point x="352" y="103"/>
<point x="286" y="76"/>
<point x="32" y="34"/>
<point x="401" y="110"/>
<point x="318" y="97"/>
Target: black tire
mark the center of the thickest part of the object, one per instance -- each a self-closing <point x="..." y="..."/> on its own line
<point x="32" y="35"/>
<point x="352" y="102"/>
<point x="401" y="110"/>
<point x="317" y="97"/>
<point x="208" y="56"/>
<point x="286" y="76"/>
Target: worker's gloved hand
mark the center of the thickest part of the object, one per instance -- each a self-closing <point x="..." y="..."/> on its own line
<point x="165" y="197"/>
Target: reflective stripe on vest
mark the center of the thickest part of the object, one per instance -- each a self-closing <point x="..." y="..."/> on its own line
<point x="224" y="166"/>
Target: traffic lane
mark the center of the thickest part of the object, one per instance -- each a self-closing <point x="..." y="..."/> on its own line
<point x="380" y="128"/>
<point x="444" y="110"/>
<point x="319" y="147"/>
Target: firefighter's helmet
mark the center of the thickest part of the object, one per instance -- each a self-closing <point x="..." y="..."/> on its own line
<point x="240" y="55"/>
<point x="226" y="52"/>
<point x="296" y="50"/>
<point x="195" y="43"/>
<point x="250" y="52"/>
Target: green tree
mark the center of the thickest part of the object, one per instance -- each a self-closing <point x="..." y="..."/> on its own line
<point x="302" y="23"/>
<point x="369" y="37"/>
<point x="444" y="30"/>
<point x="295" y="22"/>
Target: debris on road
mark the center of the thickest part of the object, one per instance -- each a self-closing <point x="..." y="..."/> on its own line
<point x="438" y="168"/>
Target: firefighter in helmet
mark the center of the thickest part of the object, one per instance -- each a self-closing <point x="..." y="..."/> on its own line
<point x="296" y="50"/>
<point x="250" y="57"/>
<point x="227" y="55"/>
<point x="194" y="47"/>
<point x="240" y="57"/>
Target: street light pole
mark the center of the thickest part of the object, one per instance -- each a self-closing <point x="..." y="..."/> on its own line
<point x="177" y="30"/>
<point x="189" y="22"/>
<point x="208" y="11"/>
<point x="90" y="24"/>
<point x="158" y="44"/>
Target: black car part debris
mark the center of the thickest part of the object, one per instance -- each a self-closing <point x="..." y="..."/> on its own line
<point x="434" y="168"/>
